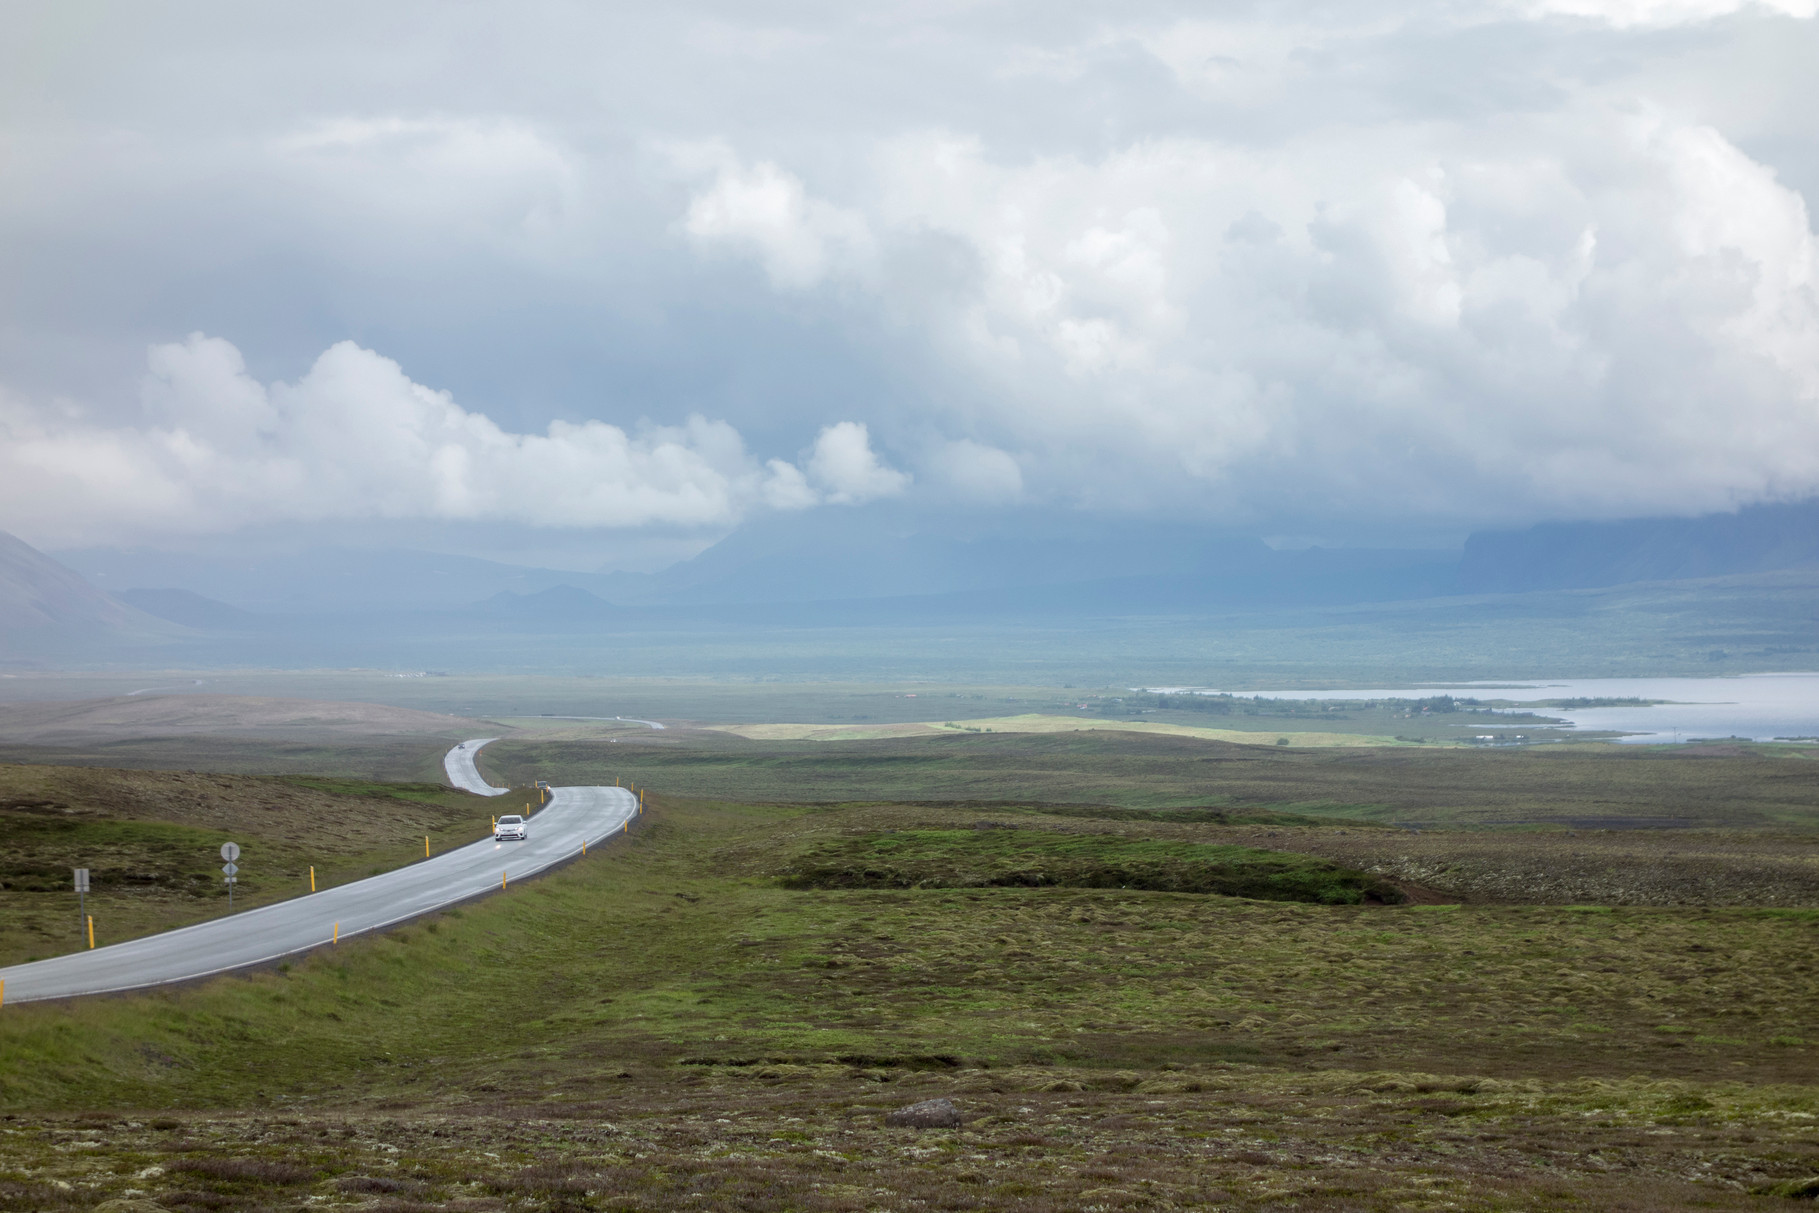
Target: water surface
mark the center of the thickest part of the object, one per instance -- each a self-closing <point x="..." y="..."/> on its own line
<point x="1761" y="707"/>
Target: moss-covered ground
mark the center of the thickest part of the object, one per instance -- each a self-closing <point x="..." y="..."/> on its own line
<point x="999" y="855"/>
<point x="667" y="1025"/>
<point x="1561" y="786"/>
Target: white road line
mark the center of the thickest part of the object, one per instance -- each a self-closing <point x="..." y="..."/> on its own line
<point x="557" y="832"/>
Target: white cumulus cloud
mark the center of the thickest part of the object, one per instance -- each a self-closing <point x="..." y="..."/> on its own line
<point x="765" y="211"/>
<point x="1602" y="312"/>
<point x="355" y="437"/>
<point x="844" y="466"/>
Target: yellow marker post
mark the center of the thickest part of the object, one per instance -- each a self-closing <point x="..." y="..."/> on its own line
<point x="426" y="846"/>
<point x="2" y="993"/>
<point x="584" y="846"/>
<point x="91" y="931"/>
<point x="337" y="938"/>
<point x="626" y="828"/>
<point x="502" y="883"/>
<point x="312" y="878"/>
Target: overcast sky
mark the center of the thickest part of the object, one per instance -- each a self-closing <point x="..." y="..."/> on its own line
<point x="603" y="276"/>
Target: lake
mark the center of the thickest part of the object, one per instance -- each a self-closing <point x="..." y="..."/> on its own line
<point x="1762" y="707"/>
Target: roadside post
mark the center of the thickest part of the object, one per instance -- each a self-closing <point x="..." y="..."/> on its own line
<point x="91" y="932"/>
<point x="230" y="851"/>
<point x="81" y="897"/>
<point x="312" y="878"/>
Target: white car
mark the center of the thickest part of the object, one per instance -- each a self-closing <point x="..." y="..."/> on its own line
<point x="510" y="827"/>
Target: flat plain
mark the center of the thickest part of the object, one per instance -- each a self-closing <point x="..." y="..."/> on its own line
<point x="719" y="1010"/>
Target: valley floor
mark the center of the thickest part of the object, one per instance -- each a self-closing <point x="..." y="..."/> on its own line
<point x="720" y="1010"/>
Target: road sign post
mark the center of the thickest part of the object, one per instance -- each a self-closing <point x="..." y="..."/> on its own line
<point x="81" y="897"/>
<point x="230" y="851"/>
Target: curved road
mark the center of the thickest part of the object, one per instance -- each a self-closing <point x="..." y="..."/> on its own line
<point x="459" y="764"/>
<point x="557" y="831"/>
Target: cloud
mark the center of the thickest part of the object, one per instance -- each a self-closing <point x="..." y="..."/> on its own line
<point x="766" y="212"/>
<point x="1626" y="13"/>
<point x="1484" y="262"/>
<point x="356" y="438"/>
<point x="843" y="465"/>
<point x="490" y="177"/>
<point x="1600" y="312"/>
<point x="971" y="471"/>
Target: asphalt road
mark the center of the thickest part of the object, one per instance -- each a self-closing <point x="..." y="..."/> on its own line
<point x="459" y="763"/>
<point x="557" y="831"/>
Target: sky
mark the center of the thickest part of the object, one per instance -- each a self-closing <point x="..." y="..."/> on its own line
<point x="595" y="284"/>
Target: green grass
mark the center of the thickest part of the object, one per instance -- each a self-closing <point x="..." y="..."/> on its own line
<point x="668" y="1020"/>
<point x="682" y="943"/>
<point x="152" y="841"/>
<point x="1035" y="859"/>
<point x="1586" y="786"/>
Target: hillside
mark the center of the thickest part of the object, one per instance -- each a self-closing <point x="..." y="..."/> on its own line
<point x="1584" y="555"/>
<point x="47" y="609"/>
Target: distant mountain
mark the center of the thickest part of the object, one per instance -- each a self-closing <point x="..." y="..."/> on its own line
<point x="191" y="610"/>
<point x="851" y="556"/>
<point x="562" y="604"/>
<point x="323" y="580"/>
<point x="877" y="562"/>
<point x="873" y="554"/>
<point x="1584" y="555"/>
<point x="45" y="607"/>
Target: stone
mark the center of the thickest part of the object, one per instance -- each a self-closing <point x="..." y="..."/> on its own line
<point x="929" y="1114"/>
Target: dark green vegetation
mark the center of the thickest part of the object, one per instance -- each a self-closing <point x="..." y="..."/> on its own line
<point x="389" y="760"/>
<point x="668" y="1024"/>
<point x="1566" y="786"/>
<point x="151" y="842"/>
<point x="994" y="857"/>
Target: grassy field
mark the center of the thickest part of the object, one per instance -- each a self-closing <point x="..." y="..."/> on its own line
<point x="669" y="1023"/>
<point x="151" y="842"/>
<point x="995" y="855"/>
<point x="1583" y="787"/>
<point x="718" y="1010"/>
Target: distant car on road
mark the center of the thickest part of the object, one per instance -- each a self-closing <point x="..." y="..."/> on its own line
<point x="511" y="826"/>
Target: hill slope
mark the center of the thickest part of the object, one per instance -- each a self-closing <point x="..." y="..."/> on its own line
<point x="48" y="609"/>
